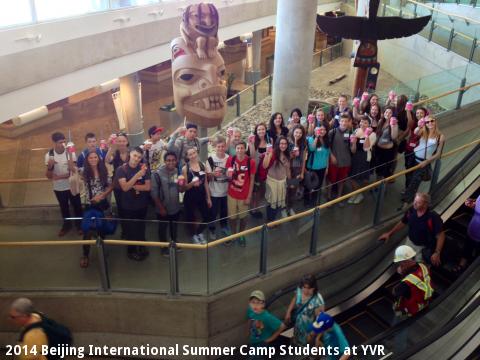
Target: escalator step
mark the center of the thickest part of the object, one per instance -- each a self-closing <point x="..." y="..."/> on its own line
<point x="383" y="309"/>
<point x="353" y="337"/>
<point x="367" y="325"/>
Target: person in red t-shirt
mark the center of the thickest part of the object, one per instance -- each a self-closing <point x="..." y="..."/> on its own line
<point x="241" y="172"/>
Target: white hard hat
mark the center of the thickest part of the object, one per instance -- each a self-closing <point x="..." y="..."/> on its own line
<point x="403" y="253"/>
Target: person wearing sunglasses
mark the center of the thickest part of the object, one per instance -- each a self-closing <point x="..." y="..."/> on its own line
<point x="429" y="148"/>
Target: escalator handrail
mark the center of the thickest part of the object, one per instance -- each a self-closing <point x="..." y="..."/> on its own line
<point x="437" y="334"/>
<point x="458" y="282"/>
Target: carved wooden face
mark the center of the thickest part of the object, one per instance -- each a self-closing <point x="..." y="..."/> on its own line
<point x="202" y="18"/>
<point x="199" y="89"/>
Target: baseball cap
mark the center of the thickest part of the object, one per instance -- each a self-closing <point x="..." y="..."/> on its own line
<point x="154" y="129"/>
<point x="258" y="294"/>
<point x="322" y="323"/>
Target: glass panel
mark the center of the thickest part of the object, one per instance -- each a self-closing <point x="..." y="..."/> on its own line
<point x="54" y="9"/>
<point x="230" y="263"/>
<point x="262" y="90"/>
<point x="289" y="241"/>
<point x="15" y="12"/>
<point x="115" y="4"/>
<point x="46" y="267"/>
<point x="192" y="271"/>
<point x="246" y="100"/>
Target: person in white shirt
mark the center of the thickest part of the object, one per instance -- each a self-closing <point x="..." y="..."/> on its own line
<point x="218" y="183"/>
<point x="60" y="164"/>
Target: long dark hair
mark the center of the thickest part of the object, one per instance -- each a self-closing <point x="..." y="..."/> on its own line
<point x="382" y="120"/>
<point x="324" y="140"/>
<point x="309" y="280"/>
<point x="257" y="138"/>
<point x="88" y="173"/>
<point x="276" y="148"/>
<point x="271" y="125"/>
<point x="302" y="139"/>
<point x="401" y="103"/>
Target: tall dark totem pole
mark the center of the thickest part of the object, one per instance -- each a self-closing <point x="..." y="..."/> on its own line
<point x="368" y="30"/>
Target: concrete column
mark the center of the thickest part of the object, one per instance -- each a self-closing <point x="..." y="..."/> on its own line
<point x="132" y="109"/>
<point x="253" y="74"/>
<point x="295" y="34"/>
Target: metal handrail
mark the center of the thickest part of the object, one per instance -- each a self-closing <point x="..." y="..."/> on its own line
<point x="245" y="232"/>
<point x="464" y="18"/>
<point x="437" y="25"/>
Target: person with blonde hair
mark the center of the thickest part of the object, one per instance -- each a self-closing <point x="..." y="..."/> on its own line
<point x="429" y="149"/>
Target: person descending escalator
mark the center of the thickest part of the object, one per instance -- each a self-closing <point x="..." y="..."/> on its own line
<point x="415" y="290"/>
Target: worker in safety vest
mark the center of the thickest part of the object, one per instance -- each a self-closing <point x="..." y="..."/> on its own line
<point x="415" y="290"/>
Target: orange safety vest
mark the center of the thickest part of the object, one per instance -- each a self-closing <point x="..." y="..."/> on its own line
<point x="421" y="291"/>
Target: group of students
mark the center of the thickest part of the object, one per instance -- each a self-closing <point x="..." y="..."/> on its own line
<point x="277" y="164"/>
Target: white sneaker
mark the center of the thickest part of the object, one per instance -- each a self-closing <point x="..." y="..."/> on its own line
<point x="202" y="239"/>
<point x="359" y="198"/>
<point x="212" y="235"/>
<point x="352" y="199"/>
<point x="283" y="213"/>
<point x="196" y="239"/>
<point x="291" y="212"/>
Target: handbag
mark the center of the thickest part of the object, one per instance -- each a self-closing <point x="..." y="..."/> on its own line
<point x="311" y="180"/>
<point x="427" y="173"/>
<point x="297" y="312"/>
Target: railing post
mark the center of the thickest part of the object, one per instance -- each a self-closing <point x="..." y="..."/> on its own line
<point x="238" y="104"/>
<point x="417" y="93"/>
<point x="450" y="39"/>
<point x="104" y="279"/>
<point x="172" y="261"/>
<point x="270" y="80"/>
<point x="264" y="250"/>
<point x="379" y="204"/>
<point x="400" y="12"/>
<point x="315" y="231"/>
<point x="384" y="10"/>
<point x="415" y="11"/>
<point x="435" y="175"/>
<point x="460" y="93"/>
<point x="321" y="58"/>
<point x="254" y="94"/>
<point x="331" y="53"/>
<point x="472" y="50"/>
<point x="432" y="27"/>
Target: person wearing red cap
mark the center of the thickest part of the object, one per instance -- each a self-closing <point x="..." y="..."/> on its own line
<point x="154" y="148"/>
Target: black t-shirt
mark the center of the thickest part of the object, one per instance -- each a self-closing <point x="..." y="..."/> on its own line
<point x="131" y="199"/>
<point x="423" y="230"/>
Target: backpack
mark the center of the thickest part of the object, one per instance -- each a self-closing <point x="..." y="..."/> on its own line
<point x="57" y="334"/>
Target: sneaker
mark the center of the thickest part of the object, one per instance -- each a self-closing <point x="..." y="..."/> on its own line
<point x="242" y="241"/>
<point x="225" y="231"/>
<point x="195" y="239"/>
<point x="202" y="239"/>
<point x="212" y="235"/>
<point x="352" y="199"/>
<point x="283" y="213"/>
<point x="358" y="199"/>
<point x="291" y="212"/>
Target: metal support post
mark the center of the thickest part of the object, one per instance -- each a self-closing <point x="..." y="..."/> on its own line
<point x="435" y="174"/>
<point x="379" y="204"/>
<point x="315" y="232"/>
<point x="321" y="58"/>
<point x="172" y="261"/>
<point x="104" y="279"/>
<point x="432" y="27"/>
<point x="450" y="39"/>
<point x="264" y="250"/>
<point x="472" y="49"/>
<point x="384" y="9"/>
<point x="270" y="80"/>
<point x="254" y="94"/>
<point x="238" y="104"/>
<point x="460" y="93"/>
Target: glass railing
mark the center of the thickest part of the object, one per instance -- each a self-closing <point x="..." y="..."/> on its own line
<point x="451" y="31"/>
<point x="196" y="269"/>
<point x="243" y="101"/>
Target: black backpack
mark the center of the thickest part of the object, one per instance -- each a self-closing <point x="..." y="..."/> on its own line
<point x="57" y="334"/>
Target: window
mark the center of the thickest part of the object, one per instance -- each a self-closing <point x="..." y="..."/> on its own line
<point x="54" y="9"/>
<point x="15" y="12"/>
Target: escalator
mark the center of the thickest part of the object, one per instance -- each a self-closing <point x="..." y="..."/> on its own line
<point x="358" y="294"/>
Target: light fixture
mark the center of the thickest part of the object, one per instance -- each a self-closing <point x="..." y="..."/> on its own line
<point x="29" y="116"/>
